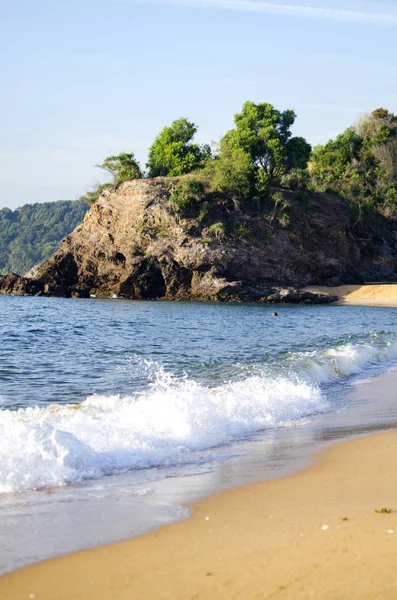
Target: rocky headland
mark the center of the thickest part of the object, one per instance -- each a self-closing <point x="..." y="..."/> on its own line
<point x="134" y="244"/>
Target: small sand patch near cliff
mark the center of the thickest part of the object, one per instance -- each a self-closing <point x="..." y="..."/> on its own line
<point x="372" y="295"/>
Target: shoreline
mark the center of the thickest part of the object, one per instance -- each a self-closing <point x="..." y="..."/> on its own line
<point x="110" y="509"/>
<point x="383" y="295"/>
<point x="314" y="533"/>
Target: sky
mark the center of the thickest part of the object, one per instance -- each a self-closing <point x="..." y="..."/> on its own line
<point x="83" y="79"/>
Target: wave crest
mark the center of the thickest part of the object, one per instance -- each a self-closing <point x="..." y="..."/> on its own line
<point x="172" y="421"/>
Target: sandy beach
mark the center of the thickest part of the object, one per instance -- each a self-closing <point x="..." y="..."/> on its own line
<point x="328" y="532"/>
<point x="365" y="295"/>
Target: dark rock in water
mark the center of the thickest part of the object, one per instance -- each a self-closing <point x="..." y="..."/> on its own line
<point x="79" y="293"/>
<point x="296" y="296"/>
<point x="132" y="244"/>
<point x="59" y="291"/>
<point x="274" y="314"/>
<point x="317" y="297"/>
<point x="20" y="286"/>
<point x="17" y="285"/>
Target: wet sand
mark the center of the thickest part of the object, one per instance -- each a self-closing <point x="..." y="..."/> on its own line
<point x="324" y="533"/>
<point x="366" y="295"/>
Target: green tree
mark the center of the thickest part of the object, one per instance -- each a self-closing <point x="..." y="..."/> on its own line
<point x="123" y="167"/>
<point x="264" y="133"/>
<point x="298" y="153"/>
<point x="330" y="163"/>
<point x="173" y="152"/>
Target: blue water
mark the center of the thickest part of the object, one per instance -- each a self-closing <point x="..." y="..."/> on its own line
<point x="102" y="400"/>
<point x="61" y="351"/>
<point x="91" y="388"/>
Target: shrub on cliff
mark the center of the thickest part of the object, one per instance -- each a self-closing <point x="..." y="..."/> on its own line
<point x="122" y="167"/>
<point x="173" y="152"/>
<point x="186" y="194"/>
<point x="281" y="206"/>
<point x="297" y="180"/>
<point x="92" y="195"/>
<point x="232" y="171"/>
<point x="217" y="230"/>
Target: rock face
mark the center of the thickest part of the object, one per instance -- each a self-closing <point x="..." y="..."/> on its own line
<point x="133" y="244"/>
<point x="32" y="272"/>
<point x="19" y="286"/>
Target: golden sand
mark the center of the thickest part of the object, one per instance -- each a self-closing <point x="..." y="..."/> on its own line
<point x="328" y="532"/>
<point x="372" y="295"/>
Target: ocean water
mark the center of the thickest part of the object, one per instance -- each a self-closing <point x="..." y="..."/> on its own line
<point x="100" y="395"/>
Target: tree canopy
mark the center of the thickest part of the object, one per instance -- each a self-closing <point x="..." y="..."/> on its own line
<point x="258" y="151"/>
<point x="361" y="163"/>
<point x="173" y="152"/>
<point x="264" y="133"/>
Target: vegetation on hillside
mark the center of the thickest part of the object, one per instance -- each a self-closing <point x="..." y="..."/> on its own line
<point x="31" y="234"/>
<point x="122" y="167"/>
<point x="257" y="153"/>
<point x="248" y="159"/>
<point x="260" y="157"/>
<point x="361" y="165"/>
<point x="251" y="168"/>
<point x="258" y="167"/>
<point x="173" y="152"/>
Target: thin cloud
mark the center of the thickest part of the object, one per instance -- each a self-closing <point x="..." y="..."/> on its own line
<point x="253" y="6"/>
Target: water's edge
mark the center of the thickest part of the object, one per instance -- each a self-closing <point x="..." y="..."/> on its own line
<point x="116" y="416"/>
<point x="81" y="520"/>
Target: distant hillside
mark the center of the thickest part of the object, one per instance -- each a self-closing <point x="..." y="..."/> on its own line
<point x="31" y="234"/>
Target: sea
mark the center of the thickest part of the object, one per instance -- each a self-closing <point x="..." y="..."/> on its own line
<point x="115" y="415"/>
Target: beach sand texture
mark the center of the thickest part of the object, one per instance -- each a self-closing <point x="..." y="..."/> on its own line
<point x="324" y="533"/>
<point x="375" y="294"/>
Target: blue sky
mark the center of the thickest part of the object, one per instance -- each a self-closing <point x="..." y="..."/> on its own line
<point x="86" y="78"/>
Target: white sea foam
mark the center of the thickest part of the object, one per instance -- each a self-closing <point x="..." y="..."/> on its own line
<point x="343" y="361"/>
<point x="171" y="423"/>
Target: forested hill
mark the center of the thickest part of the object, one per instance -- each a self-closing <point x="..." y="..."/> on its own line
<point x="32" y="233"/>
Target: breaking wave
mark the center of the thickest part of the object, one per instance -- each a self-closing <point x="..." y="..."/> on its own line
<point x="173" y="420"/>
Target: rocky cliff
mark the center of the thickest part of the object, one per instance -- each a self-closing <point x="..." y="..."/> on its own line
<point x="134" y="244"/>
